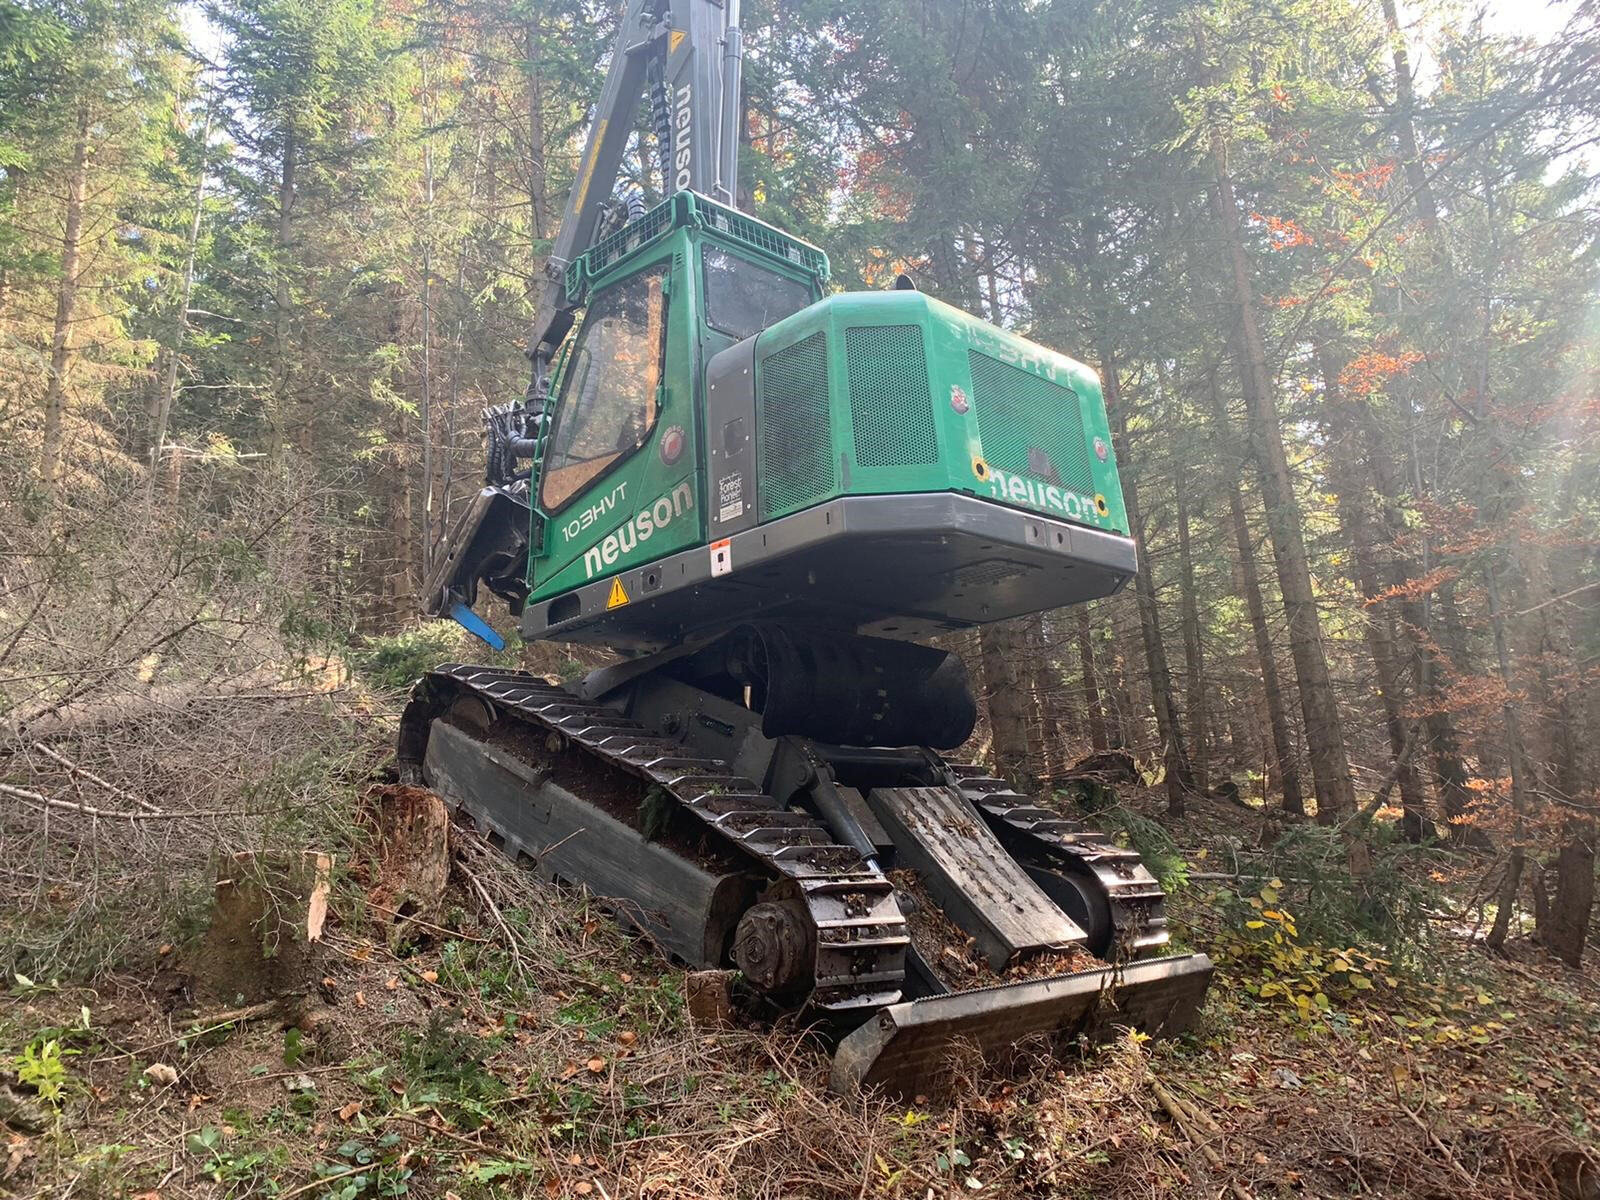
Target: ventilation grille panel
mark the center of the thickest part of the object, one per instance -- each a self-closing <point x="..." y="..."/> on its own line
<point x="794" y="438"/>
<point x="1029" y="425"/>
<point x="890" y="405"/>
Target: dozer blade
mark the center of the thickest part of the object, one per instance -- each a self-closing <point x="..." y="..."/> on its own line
<point x="908" y="1047"/>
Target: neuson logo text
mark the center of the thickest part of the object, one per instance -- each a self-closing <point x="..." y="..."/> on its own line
<point x="641" y="528"/>
<point x="682" y="138"/>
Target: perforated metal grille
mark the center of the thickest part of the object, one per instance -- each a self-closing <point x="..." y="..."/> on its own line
<point x="624" y="241"/>
<point x="889" y="400"/>
<point x="1029" y="425"/>
<point x="765" y="237"/>
<point x="795" y="446"/>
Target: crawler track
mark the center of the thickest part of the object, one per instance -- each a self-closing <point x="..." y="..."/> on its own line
<point x="860" y="936"/>
<point x="1138" y="905"/>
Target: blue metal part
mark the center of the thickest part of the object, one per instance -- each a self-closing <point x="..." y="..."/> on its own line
<point x="476" y="626"/>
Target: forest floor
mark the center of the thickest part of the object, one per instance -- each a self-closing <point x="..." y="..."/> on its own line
<point x="565" y="1064"/>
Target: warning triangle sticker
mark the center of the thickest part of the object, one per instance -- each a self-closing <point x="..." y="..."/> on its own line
<point x="618" y="597"/>
<point x="674" y="40"/>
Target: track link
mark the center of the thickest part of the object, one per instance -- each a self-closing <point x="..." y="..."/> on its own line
<point x="1138" y="905"/>
<point x="860" y="935"/>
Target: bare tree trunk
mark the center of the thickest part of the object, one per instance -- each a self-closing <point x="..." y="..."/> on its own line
<point x="1008" y="722"/>
<point x="1351" y="492"/>
<point x="1169" y="728"/>
<point x="66" y="303"/>
<point x="1193" y="657"/>
<point x="1283" y="752"/>
<point x="423" y="531"/>
<point x="282" y="298"/>
<point x="1091" y="683"/>
<point x="538" y="167"/>
<point x="1051" y="719"/>
<point x="166" y="398"/>
<point x="1330" y="769"/>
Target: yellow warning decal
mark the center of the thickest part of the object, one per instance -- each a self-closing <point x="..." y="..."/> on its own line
<point x="674" y="40"/>
<point x="618" y="597"/>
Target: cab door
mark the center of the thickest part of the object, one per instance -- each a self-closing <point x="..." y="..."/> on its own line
<point x="620" y="440"/>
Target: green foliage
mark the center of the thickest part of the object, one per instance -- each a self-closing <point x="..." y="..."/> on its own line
<point x="1280" y="966"/>
<point x="42" y="1066"/>
<point x="1154" y="844"/>
<point x="444" y="1066"/>
<point x="1387" y="907"/>
<point x="398" y="660"/>
<point x="367" y="1167"/>
<point x="242" y="1171"/>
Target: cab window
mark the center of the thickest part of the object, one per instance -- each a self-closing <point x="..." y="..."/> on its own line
<point x="607" y="406"/>
<point x="743" y="298"/>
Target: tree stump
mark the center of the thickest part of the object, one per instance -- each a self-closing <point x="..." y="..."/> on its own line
<point x="266" y="922"/>
<point x="413" y="840"/>
<point x="709" y="998"/>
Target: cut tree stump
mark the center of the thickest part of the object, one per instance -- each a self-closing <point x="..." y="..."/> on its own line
<point x="709" y="998"/>
<point x="266" y="923"/>
<point x="413" y="839"/>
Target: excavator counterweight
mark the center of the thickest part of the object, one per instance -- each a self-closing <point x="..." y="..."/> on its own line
<point x="765" y="496"/>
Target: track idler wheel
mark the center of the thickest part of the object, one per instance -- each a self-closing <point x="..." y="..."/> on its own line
<point x="774" y="946"/>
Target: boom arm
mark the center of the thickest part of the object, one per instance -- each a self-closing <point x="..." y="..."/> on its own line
<point x="688" y="54"/>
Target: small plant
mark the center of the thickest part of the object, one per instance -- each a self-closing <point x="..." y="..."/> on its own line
<point x="362" y="1168"/>
<point x="248" y="1168"/>
<point x="445" y="1067"/>
<point x="42" y="1066"/>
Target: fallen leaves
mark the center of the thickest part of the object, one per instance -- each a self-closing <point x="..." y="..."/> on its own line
<point x="161" y="1073"/>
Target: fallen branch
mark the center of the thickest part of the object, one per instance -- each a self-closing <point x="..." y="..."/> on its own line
<point x="118" y="814"/>
<point x="494" y="911"/>
<point x="73" y="768"/>
<point x="1186" y="1118"/>
<point x="1450" y="1159"/>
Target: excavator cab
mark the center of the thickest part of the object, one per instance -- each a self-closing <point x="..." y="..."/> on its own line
<point x="621" y="468"/>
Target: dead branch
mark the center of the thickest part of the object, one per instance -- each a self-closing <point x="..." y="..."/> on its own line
<point x="75" y="770"/>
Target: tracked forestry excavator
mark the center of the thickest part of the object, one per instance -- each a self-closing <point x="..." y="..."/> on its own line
<point x="766" y="497"/>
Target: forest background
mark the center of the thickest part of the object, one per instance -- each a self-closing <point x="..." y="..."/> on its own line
<point x="263" y="262"/>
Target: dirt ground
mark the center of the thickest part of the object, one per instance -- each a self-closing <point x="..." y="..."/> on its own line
<point x="553" y="1056"/>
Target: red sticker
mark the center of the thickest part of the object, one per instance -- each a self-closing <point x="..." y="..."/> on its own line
<point x="672" y="444"/>
<point x="958" y="399"/>
<point x="1101" y="450"/>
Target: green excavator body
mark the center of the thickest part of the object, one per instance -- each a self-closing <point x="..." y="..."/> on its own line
<point x="767" y="497"/>
<point x="713" y="396"/>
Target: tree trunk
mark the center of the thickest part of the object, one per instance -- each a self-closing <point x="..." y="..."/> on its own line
<point x="1283" y="751"/>
<point x="1053" y="720"/>
<point x="1091" y="684"/>
<point x="164" y="399"/>
<point x="66" y="303"/>
<point x="1351" y="491"/>
<point x="538" y="168"/>
<point x="1567" y="928"/>
<point x="1169" y="729"/>
<point x="1008" y="721"/>
<point x="1330" y="769"/>
<point x="1193" y="658"/>
<point x="282" y="298"/>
